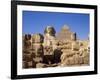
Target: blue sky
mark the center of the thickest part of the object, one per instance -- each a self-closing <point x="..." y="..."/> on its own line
<point x="35" y="22"/>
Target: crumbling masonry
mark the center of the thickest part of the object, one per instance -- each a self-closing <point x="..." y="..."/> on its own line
<point x="50" y="50"/>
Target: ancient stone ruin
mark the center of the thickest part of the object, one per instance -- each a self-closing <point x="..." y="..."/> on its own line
<point x="53" y="49"/>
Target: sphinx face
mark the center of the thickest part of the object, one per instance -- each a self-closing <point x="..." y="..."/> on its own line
<point x="49" y="30"/>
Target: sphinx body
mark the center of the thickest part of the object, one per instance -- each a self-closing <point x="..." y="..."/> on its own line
<point x="49" y="37"/>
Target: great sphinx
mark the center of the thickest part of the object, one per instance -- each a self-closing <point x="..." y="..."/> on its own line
<point x="51" y="52"/>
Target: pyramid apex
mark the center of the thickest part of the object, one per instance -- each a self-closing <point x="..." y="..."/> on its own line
<point x="65" y="27"/>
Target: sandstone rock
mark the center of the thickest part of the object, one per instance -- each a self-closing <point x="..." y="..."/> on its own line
<point x="41" y="65"/>
<point x="38" y="59"/>
<point x="27" y="57"/>
<point x="38" y="49"/>
<point x="27" y="42"/>
<point x="86" y="60"/>
<point x="29" y="64"/>
<point x="24" y="64"/>
<point x="49" y="37"/>
<point x="50" y="50"/>
<point x="75" y="46"/>
<point x="48" y="59"/>
<point x="37" y="38"/>
<point x="57" y="55"/>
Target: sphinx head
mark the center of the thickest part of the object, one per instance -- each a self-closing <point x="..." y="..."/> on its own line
<point x="50" y="30"/>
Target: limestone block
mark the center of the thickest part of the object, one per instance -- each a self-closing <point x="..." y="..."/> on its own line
<point x="38" y="49"/>
<point x="81" y="60"/>
<point x="25" y="65"/>
<point x="29" y="64"/>
<point x="86" y="60"/>
<point x="75" y="46"/>
<point x="27" y="57"/>
<point x="27" y="42"/>
<point x="48" y="50"/>
<point x="41" y="65"/>
<point x="37" y="38"/>
<point x="68" y="62"/>
<point x="38" y="59"/>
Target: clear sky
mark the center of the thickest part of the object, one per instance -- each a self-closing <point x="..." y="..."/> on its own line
<point x="35" y="22"/>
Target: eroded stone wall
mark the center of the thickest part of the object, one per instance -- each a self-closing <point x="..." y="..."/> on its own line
<point x="62" y="49"/>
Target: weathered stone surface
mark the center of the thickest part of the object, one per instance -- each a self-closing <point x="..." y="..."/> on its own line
<point x="27" y="57"/>
<point x="66" y="34"/>
<point x="75" y="46"/>
<point x="49" y="37"/>
<point x="48" y="50"/>
<point x="38" y="49"/>
<point x="48" y="59"/>
<point x="29" y="64"/>
<point x="57" y="55"/>
<point x="27" y="42"/>
<point x="51" y="50"/>
<point x="37" y="38"/>
<point x="38" y="59"/>
<point x="41" y="65"/>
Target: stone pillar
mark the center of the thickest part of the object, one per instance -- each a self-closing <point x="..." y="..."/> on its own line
<point x="37" y="49"/>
